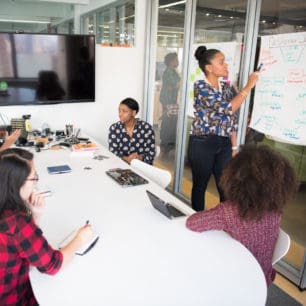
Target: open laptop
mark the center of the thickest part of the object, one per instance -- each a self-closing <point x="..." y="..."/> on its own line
<point x="126" y="177"/>
<point x="165" y="208"/>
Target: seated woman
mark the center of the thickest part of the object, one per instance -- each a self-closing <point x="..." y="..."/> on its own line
<point x="257" y="183"/>
<point x="21" y="240"/>
<point x="130" y="137"/>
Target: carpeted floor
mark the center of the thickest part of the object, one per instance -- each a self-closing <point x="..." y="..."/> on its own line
<point x="277" y="297"/>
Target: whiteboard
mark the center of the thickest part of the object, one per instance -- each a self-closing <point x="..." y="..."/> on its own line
<point x="232" y="53"/>
<point x="280" y="97"/>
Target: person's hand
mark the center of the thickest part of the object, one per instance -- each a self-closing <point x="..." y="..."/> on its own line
<point x="36" y="204"/>
<point x="234" y="153"/>
<point x="84" y="234"/>
<point x="253" y="78"/>
<point x="132" y="156"/>
<point x="10" y="139"/>
<point x="136" y="156"/>
<point x="127" y="159"/>
<point x="13" y="137"/>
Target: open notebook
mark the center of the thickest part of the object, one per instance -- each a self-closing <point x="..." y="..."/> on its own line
<point x="83" y="250"/>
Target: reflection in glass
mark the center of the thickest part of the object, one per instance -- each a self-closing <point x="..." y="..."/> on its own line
<point x="168" y="99"/>
<point x="169" y="53"/>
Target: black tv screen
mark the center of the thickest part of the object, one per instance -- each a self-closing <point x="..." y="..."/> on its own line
<point x="46" y="68"/>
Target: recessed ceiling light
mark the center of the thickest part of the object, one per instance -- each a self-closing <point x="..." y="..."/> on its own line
<point x="24" y="21"/>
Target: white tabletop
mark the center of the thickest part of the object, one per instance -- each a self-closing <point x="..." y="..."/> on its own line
<point x="142" y="258"/>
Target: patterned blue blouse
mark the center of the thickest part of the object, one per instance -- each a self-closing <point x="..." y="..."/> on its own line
<point x="142" y="142"/>
<point x="213" y="110"/>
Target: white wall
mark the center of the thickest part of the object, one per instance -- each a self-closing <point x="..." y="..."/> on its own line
<point x="119" y="74"/>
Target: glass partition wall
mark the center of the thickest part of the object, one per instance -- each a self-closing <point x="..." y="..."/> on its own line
<point x="168" y="68"/>
<point x="231" y="26"/>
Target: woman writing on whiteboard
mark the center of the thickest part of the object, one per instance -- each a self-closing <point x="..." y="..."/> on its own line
<point x="214" y="123"/>
<point x="22" y="243"/>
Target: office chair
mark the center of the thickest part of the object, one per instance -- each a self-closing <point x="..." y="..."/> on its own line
<point x="281" y="247"/>
<point x="159" y="176"/>
<point x="157" y="151"/>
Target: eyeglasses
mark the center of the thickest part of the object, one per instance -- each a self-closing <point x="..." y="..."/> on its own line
<point x="36" y="178"/>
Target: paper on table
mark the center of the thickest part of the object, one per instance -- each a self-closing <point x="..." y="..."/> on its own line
<point x="84" y="249"/>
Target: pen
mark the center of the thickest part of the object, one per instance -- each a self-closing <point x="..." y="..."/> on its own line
<point x="87" y="222"/>
<point x="259" y="67"/>
<point x="47" y="192"/>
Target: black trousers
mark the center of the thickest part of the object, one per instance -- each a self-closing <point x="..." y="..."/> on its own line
<point x="207" y="155"/>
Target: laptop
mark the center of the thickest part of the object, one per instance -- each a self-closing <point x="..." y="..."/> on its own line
<point x="165" y="208"/>
<point x="126" y="177"/>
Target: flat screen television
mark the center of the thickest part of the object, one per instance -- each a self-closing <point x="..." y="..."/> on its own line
<point x="46" y="68"/>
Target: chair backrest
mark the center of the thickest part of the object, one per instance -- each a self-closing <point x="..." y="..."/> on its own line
<point x="157" y="151"/>
<point x="281" y="247"/>
<point x="160" y="176"/>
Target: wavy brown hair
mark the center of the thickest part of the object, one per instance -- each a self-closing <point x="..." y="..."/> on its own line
<point x="258" y="180"/>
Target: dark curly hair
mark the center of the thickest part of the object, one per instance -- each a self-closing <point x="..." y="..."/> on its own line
<point x="258" y="180"/>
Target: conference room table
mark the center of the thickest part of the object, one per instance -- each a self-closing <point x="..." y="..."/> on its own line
<point x="142" y="258"/>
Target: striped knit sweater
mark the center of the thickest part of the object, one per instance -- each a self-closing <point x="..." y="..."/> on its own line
<point x="258" y="236"/>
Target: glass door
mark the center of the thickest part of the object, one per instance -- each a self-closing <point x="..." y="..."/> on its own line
<point x="168" y="67"/>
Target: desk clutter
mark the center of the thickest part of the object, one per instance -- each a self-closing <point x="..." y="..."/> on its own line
<point x="45" y="138"/>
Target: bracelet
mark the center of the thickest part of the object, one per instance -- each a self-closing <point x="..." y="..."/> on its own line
<point x="235" y="148"/>
<point x="244" y="93"/>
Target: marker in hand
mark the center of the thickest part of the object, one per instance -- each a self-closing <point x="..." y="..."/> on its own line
<point x="259" y="67"/>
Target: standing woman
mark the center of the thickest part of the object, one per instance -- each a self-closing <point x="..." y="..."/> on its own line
<point x="22" y="243"/>
<point x="215" y="105"/>
<point x="131" y="138"/>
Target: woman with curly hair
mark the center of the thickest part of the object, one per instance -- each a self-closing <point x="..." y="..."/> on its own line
<point x="257" y="183"/>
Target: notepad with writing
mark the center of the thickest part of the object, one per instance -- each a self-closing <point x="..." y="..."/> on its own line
<point x="84" y="249"/>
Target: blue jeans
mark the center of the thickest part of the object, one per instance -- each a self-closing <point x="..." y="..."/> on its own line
<point x="207" y="154"/>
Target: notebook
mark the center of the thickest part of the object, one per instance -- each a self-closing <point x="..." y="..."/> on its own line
<point x="165" y="208"/>
<point x="83" y="250"/>
<point x="59" y="169"/>
<point x="126" y="177"/>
